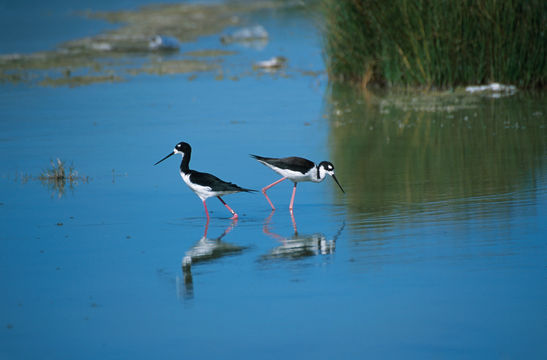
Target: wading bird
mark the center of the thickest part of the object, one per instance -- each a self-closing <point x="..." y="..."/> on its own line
<point x="203" y="184"/>
<point x="296" y="169"/>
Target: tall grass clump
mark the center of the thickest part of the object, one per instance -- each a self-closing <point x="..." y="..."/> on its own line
<point x="436" y="43"/>
<point x="59" y="175"/>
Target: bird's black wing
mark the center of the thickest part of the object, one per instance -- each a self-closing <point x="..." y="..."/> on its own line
<point x="216" y="184"/>
<point x="294" y="163"/>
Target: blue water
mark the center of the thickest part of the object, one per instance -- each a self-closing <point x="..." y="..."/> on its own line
<point x="378" y="272"/>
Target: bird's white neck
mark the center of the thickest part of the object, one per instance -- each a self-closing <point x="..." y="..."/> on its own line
<point x="318" y="174"/>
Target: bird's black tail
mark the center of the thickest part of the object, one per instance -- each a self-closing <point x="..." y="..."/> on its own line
<point x="239" y="188"/>
<point x="249" y="190"/>
<point x="259" y="158"/>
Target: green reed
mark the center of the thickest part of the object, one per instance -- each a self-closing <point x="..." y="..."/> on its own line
<point x="428" y="43"/>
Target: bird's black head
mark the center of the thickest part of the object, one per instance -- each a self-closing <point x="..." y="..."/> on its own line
<point x="326" y="167"/>
<point x="181" y="148"/>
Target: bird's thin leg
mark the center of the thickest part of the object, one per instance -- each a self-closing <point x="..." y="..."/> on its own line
<point x="229" y="208"/>
<point x="269" y="186"/>
<point x="293" y="222"/>
<point x="206" y="226"/>
<point x="292" y="198"/>
<point x="206" y="211"/>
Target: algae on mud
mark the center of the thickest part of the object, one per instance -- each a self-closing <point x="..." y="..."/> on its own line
<point x="79" y="80"/>
<point x="113" y="55"/>
<point x="171" y="67"/>
<point x="185" y="22"/>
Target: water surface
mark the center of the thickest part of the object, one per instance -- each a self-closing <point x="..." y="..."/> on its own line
<point x="437" y="249"/>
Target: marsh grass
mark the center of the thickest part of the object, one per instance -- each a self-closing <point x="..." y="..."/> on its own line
<point x="60" y="176"/>
<point x="441" y="44"/>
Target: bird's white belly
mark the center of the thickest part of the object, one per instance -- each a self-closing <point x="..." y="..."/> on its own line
<point x="296" y="176"/>
<point x="203" y="192"/>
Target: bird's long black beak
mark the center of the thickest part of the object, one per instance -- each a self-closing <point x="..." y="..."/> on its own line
<point x="173" y="153"/>
<point x="335" y="179"/>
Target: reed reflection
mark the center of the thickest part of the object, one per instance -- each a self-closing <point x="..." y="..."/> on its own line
<point x="205" y="250"/>
<point x="406" y="150"/>
<point x="298" y="245"/>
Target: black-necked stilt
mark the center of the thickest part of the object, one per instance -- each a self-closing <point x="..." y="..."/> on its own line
<point x="296" y="169"/>
<point x="203" y="184"/>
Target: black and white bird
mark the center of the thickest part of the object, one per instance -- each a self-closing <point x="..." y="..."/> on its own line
<point x="296" y="169"/>
<point x="203" y="184"/>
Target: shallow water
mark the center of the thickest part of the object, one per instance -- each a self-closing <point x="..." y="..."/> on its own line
<point x="437" y="249"/>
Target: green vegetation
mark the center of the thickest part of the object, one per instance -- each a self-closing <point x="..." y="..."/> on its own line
<point x="436" y="43"/>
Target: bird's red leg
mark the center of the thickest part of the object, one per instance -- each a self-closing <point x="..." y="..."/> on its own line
<point x="206" y="212"/>
<point x="293" y="222"/>
<point x="206" y="228"/>
<point x="292" y="198"/>
<point x="229" y="208"/>
<point x="269" y="186"/>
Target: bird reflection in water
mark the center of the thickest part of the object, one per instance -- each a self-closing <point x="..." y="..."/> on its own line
<point x="204" y="250"/>
<point x="299" y="245"/>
